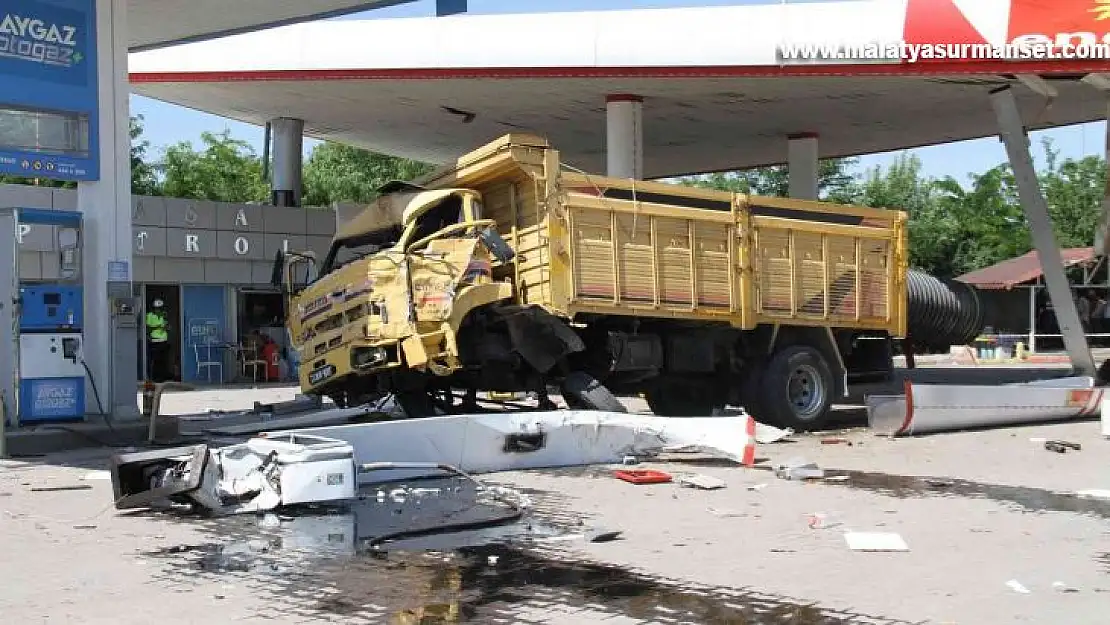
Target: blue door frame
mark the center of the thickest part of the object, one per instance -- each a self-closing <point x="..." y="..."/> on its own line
<point x="204" y="317"/>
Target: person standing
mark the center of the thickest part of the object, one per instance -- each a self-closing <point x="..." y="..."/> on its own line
<point x="158" y="342"/>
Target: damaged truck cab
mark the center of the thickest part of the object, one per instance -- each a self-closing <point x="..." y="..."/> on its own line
<point x="391" y="295"/>
<point x="508" y="272"/>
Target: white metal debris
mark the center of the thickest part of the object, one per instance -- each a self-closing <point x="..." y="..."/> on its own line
<point x="875" y="541"/>
<point x="928" y="408"/>
<point x="532" y="440"/>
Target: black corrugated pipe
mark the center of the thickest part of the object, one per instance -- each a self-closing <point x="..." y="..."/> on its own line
<point x="942" y="312"/>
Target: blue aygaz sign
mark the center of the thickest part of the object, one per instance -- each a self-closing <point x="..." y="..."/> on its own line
<point x="52" y="399"/>
<point x="48" y="100"/>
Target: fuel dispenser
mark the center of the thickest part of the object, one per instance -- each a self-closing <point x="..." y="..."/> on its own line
<point x="44" y="322"/>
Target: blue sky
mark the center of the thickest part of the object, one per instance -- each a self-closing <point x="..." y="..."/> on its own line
<point x="166" y="124"/>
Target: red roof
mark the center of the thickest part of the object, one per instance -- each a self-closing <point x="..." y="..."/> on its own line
<point x="1025" y="268"/>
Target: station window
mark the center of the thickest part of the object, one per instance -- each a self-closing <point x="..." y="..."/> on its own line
<point x="44" y="132"/>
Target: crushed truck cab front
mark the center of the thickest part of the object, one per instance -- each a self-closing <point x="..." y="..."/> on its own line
<point x="396" y="284"/>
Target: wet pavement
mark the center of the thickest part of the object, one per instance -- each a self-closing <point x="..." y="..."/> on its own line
<point x="484" y="567"/>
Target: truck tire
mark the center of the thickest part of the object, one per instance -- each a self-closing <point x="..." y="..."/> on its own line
<point x="796" y="390"/>
<point x="681" y="400"/>
<point x="582" y="391"/>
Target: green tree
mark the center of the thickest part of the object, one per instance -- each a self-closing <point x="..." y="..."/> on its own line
<point x="835" y="181"/>
<point x="144" y="176"/>
<point x="340" y="173"/>
<point x="224" y="170"/>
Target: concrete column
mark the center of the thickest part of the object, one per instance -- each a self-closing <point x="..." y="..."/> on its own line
<point x="624" y="136"/>
<point x="288" y="168"/>
<point x="1102" y="235"/>
<point x="1012" y="134"/>
<point x="106" y="205"/>
<point x="802" y="165"/>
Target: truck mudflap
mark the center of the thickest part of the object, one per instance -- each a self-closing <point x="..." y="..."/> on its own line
<point x="541" y="338"/>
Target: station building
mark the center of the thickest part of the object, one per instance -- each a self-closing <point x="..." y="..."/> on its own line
<point x="209" y="262"/>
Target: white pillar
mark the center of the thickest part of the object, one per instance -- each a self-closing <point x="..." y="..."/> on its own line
<point x="106" y="205"/>
<point x="802" y="166"/>
<point x="288" y="141"/>
<point x="1012" y="134"/>
<point x="624" y="136"/>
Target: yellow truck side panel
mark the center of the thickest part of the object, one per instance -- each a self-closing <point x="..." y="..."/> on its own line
<point x="744" y="260"/>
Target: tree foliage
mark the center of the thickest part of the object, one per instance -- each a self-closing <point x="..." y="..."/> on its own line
<point x="340" y="173"/>
<point x="224" y="169"/>
<point x="954" y="227"/>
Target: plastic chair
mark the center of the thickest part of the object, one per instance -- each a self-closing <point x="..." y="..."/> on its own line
<point x="252" y="362"/>
<point x="207" y="363"/>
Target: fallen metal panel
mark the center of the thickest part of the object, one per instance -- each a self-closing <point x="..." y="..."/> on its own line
<point x="335" y="416"/>
<point x="942" y="407"/>
<point x="532" y="440"/>
<point x="137" y="477"/>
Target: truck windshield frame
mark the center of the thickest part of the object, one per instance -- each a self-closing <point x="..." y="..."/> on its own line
<point x="365" y="245"/>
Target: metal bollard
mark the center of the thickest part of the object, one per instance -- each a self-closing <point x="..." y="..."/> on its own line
<point x="156" y="404"/>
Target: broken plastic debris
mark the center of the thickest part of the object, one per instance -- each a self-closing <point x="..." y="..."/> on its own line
<point x="1062" y="587"/>
<point x="756" y="487"/>
<point x="767" y="434"/>
<point x="1094" y="493"/>
<point x="799" y="469"/>
<point x="1017" y="586"/>
<point x="875" y="541"/>
<point x="823" y="521"/>
<point x="704" y="482"/>
<point x="602" y="535"/>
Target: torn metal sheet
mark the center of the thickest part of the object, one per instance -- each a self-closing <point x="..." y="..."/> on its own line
<point x="533" y="440"/>
<point x="767" y="434"/>
<point x="929" y="408"/>
<point x="261" y="474"/>
<point x="313" y="418"/>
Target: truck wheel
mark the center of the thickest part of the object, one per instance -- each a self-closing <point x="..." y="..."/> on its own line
<point x="797" y="389"/>
<point x="681" y="400"/>
<point x="582" y="391"/>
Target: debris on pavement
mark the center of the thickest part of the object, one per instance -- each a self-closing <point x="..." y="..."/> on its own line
<point x="836" y="441"/>
<point x="837" y="478"/>
<point x="704" y="482"/>
<point x="1061" y="447"/>
<point x="756" y="487"/>
<point x="875" y="541"/>
<point x="515" y="441"/>
<point x="1094" y="493"/>
<point x="643" y="476"/>
<point x="768" y="434"/>
<point x="822" y="521"/>
<point x="602" y="535"/>
<point x="799" y="469"/>
<point x="928" y="408"/>
<point x="1017" y="587"/>
<point x="52" y="489"/>
<point x="1062" y="587"/>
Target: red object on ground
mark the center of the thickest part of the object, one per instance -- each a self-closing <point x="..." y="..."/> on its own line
<point x="270" y="355"/>
<point x="642" y="476"/>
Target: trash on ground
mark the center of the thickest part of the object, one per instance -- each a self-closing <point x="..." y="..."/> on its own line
<point x="1094" y="493"/>
<point x="1062" y="587"/>
<point x="799" y="469"/>
<point x="756" y="487"/>
<point x="1064" y="444"/>
<point x="51" y="489"/>
<point x="643" y="476"/>
<point x="935" y="483"/>
<point x="767" y="434"/>
<point x="629" y="461"/>
<point x="1017" y="586"/>
<point x="822" y="521"/>
<point x="875" y="541"/>
<point x="602" y="535"/>
<point x="704" y="482"/>
<point x="836" y="441"/>
<point x="84" y="527"/>
<point x="514" y="441"/>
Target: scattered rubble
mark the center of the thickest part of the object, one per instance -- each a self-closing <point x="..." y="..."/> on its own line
<point x="799" y="469"/>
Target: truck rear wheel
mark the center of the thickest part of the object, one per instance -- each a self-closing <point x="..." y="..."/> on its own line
<point x="795" y="390"/>
<point x="582" y="391"/>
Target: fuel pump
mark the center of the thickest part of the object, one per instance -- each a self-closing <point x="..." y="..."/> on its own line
<point x="51" y="330"/>
<point x="44" y="323"/>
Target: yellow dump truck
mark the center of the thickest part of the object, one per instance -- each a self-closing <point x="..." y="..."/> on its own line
<point x="509" y="272"/>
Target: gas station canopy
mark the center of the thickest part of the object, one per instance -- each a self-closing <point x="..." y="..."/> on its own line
<point x="716" y="92"/>
<point x="156" y="23"/>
